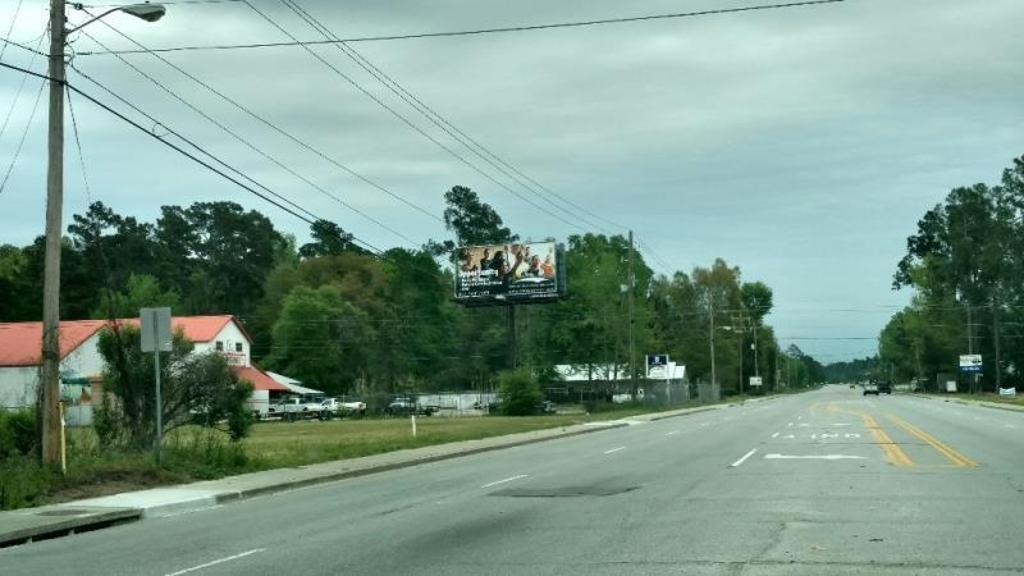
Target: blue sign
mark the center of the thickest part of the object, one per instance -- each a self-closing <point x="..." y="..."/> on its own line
<point x="971" y="369"/>
<point x="657" y="360"/>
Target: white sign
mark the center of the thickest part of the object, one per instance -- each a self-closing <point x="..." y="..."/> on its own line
<point x="657" y="366"/>
<point x="756" y="380"/>
<point x="1007" y="391"/>
<point x="951" y="386"/>
<point x="155" y="328"/>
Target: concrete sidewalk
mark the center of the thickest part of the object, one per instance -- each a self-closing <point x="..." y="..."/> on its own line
<point x="21" y="526"/>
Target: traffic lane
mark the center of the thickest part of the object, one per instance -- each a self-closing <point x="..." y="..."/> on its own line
<point x="848" y="511"/>
<point x="1009" y="420"/>
<point x="228" y="530"/>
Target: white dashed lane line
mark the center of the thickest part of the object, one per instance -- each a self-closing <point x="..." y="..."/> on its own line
<point x="740" y="462"/>
<point x="614" y="450"/>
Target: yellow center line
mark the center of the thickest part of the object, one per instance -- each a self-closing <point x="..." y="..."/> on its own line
<point x="893" y="453"/>
<point x="958" y="459"/>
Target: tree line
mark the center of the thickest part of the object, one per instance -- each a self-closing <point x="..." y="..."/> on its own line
<point x="965" y="265"/>
<point x="340" y="318"/>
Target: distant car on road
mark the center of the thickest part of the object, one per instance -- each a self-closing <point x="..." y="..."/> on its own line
<point x="884" y="388"/>
<point x="871" y="389"/>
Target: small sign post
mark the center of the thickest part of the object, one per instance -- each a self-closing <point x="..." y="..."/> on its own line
<point x="756" y="381"/>
<point x="971" y="363"/>
<point x="155" y="331"/>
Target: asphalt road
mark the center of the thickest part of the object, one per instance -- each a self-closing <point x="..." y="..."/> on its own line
<point x="826" y="482"/>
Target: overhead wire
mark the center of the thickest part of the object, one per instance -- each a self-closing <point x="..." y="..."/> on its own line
<point x="405" y="120"/>
<point x="255" y="148"/>
<point x="10" y="28"/>
<point x="276" y="128"/>
<point x="445" y="125"/>
<point x="24" y="135"/>
<point x="482" y="31"/>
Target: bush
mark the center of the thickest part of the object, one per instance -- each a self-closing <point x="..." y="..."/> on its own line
<point x="520" y="393"/>
<point x="17" y="433"/>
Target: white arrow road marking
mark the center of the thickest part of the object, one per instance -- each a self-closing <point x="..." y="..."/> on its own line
<point x="841" y="424"/>
<point x="509" y="479"/>
<point x="744" y="459"/>
<point x="776" y="435"/>
<point x="614" y="450"/>
<point x="813" y="457"/>
<point x="219" y="561"/>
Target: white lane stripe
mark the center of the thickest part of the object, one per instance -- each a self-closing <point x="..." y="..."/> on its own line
<point x="744" y="459"/>
<point x="813" y="457"/>
<point x="672" y="433"/>
<point x="509" y="479"/>
<point x="614" y="450"/>
<point x="776" y="435"/>
<point x="1009" y="425"/>
<point x="219" y="561"/>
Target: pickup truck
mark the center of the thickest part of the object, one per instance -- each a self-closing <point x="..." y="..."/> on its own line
<point x="291" y="409"/>
<point x="339" y="408"/>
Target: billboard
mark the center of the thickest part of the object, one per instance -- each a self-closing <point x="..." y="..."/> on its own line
<point x="509" y="273"/>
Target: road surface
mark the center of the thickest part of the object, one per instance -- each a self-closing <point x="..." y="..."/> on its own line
<point x="827" y="482"/>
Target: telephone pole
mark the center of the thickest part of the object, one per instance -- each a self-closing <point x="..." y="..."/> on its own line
<point x="49" y="374"/>
<point x="711" y="336"/>
<point x="995" y="334"/>
<point x="629" y="300"/>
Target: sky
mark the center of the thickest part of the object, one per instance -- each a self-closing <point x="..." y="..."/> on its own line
<point x="800" y="144"/>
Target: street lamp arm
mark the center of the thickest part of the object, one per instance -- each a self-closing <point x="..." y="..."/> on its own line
<point x="148" y="12"/>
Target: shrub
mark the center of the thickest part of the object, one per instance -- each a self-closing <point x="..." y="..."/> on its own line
<point x="17" y="433"/>
<point x="520" y="393"/>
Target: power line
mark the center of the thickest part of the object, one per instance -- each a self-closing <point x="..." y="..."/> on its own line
<point x="78" y="146"/>
<point x="405" y="120"/>
<point x="171" y="145"/>
<point x="8" y="41"/>
<point x="253" y="147"/>
<point x="21" y="85"/>
<point x="24" y="134"/>
<point x="432" y="115"/>
<point x="14" y="19"/>
<point x="323" y="155"/>
<point x="481" y="31"/>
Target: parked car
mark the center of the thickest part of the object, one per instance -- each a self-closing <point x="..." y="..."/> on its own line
<point x="408" y="407"/>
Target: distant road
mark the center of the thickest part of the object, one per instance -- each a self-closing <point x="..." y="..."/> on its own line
<point x="823" y="483"/>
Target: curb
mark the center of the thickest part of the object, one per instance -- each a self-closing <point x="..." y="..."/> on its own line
<point x="979" y="403"/>
<point x="90" y="520"/>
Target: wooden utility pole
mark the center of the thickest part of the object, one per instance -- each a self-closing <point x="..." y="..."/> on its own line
<point x="995" y="334"/>
<point x="629" y="300"/>
<point x="49" y="374"/>
<point x="511" y="352"/>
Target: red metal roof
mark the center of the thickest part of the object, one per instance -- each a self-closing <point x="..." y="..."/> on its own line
<point x="21" y="342"/>
<point x="259" y="380"/>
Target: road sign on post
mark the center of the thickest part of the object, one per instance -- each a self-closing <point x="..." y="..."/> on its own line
<point x="755" y="381"/>
<point x="971" y="363"/>
<point x="155" y="332"/>
<point x="659" y="366"/>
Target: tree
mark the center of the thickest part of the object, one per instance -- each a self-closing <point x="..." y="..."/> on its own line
<point x="140" y="291"/>
<point x="473" y="222"/>
<point x="320" y="339"/>
<point x="329" y="239"/>
<point x="190" y="384"/>
<point x="519" y="392"/>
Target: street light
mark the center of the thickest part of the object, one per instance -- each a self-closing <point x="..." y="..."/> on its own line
<point x="49" y="377"/>
<point x="148" y="12"/>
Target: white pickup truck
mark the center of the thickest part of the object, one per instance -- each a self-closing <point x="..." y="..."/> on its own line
<point x="335" y="406"/>
<point x="296" y="408"/>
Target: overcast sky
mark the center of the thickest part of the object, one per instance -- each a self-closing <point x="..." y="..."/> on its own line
<point x="800" y="144"/>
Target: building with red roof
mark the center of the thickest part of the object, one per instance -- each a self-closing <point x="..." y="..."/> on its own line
<point x="21" y="352"/>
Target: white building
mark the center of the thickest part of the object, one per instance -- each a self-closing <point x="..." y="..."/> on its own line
<point x="21" y="353"/>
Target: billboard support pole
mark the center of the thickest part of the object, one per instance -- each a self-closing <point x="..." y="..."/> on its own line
<point x="511" y="344"/>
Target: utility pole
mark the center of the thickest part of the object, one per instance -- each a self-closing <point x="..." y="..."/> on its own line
<point x="995" y="334"/>
<point x="510" y="350"/>
<point x="740" y="332"/>
<point x="49" y="374"/>
<point x="711" y="337"/>
<point x="970" y="344"/>
<point x="629" y="299"/>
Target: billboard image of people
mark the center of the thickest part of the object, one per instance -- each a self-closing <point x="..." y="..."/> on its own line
<point x="513" y="271"/>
